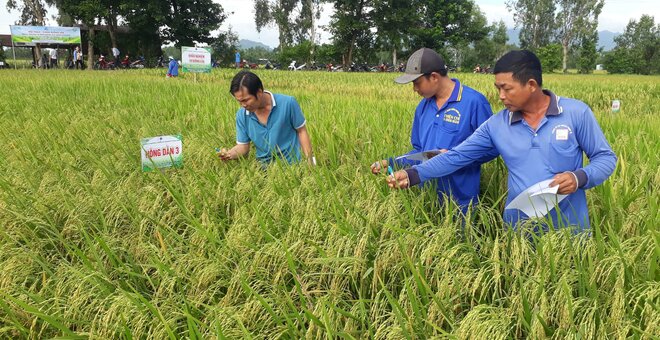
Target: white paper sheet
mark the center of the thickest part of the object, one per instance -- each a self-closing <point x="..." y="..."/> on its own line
<point x="537" y="200"/>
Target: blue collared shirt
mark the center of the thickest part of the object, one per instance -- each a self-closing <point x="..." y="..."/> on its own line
<point x="568" y="130"/>
<point x="444" y="128"/>
<point x="279" y="136"/>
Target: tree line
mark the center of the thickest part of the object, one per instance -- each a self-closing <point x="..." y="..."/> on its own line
<point x="562" y="32"/>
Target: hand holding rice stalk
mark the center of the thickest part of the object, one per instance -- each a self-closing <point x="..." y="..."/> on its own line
<point x="397" y="180"/>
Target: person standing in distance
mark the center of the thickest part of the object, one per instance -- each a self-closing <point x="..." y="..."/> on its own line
<point x="173" y="68"/>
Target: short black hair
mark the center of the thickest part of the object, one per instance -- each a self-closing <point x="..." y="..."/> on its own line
<point x="524" y="65"/>
<point x="248" y="80"/>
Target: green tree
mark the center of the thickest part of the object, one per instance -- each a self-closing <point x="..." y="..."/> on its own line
<point x="587" y="53"/>
<point x="637" y="49"/>
<point x="444" y="23"/>
<point x="500" y="39"/>
<point x="33" y="12"/>
<point x="393" y="20"/>
<point x="181" y="22"/>
<point x="190" y="22"/>
<point x="87" y="12"/>
<point x="294" y="19"/>
<point x="328" y="54"/>
<point x="550" y="56"/>
<point x="350" y="27"/>
<point x="576" y="19"/>
<point x="305" y="22"/>
<point x="253" y="54"/>
<point x="276" y="13"/>
<point x="486" y="51"/>
<point x="224" y="47"/>
<point x="535" y="19"/>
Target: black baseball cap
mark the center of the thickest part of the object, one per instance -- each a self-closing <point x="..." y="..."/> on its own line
<point x="423" y="61"/>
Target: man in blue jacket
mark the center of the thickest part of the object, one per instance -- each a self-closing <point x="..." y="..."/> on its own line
<point x="448" y="113"/>
<point x="540" y="136"/>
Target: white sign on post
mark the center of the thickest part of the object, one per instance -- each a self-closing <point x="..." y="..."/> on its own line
<point x="616" y="105"/>
<point x="162" y="152"/>
<point x="196" y="59"/>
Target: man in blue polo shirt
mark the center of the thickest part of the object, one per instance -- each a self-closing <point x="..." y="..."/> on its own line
<point x="540" y="136"/>
<point x="273" y="122"/>
<point x="446" y="116"/>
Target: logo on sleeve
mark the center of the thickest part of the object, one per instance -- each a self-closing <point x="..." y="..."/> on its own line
<point x="452" y="115"/>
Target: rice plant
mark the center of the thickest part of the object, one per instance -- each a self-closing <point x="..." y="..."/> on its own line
<point x="91" y="247"/>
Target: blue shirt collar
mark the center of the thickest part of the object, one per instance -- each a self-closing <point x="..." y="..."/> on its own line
<point x="456" y="93"/>
<point x="553" y="109"/>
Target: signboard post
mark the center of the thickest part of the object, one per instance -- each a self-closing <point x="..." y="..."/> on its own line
<point x="162" y="152"/>
<point x="196" y="60"/>
<point x="13" y="50"/>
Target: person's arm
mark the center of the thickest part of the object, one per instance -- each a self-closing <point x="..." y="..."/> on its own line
<point x="299" y="123"/>
<point x="602" y="160"/>
<point x="306" y="144"/>
<point x="466" y="153"/>
<point x="242" y="146"/>
<point x="239" y="150"/>
<point x="484" y="112"/>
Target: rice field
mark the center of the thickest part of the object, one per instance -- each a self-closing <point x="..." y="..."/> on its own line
<point x="92" y="247"/>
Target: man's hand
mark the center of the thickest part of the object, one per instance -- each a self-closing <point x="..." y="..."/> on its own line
<point x="434" y="153"/>
<point x="398" y="180"/>
<point x="227" y="155"/>
<point x="567" y="183"/>
<point x="378" y="165"/>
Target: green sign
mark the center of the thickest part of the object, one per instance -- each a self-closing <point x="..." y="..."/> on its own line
<point x="33" y="35"/>
<point x="162" y="152"/>
<point x="196" y="59"/>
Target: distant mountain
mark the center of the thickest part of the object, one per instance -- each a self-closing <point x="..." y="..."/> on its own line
<point x="605" y="38"/>
<point x="245" y="44"/>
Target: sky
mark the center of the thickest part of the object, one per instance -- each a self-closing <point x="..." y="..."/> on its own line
<point x="615" y="16"/>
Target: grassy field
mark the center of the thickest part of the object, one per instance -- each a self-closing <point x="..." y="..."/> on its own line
<point x="91" y="247"/>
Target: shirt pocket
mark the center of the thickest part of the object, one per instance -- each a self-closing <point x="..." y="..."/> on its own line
<point x="449" y="120"/>
<point x="563" y="155"/>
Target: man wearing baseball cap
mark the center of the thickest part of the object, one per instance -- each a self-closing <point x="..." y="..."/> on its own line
<point x="540" y="136"/>
<point x="448" y="113"/>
